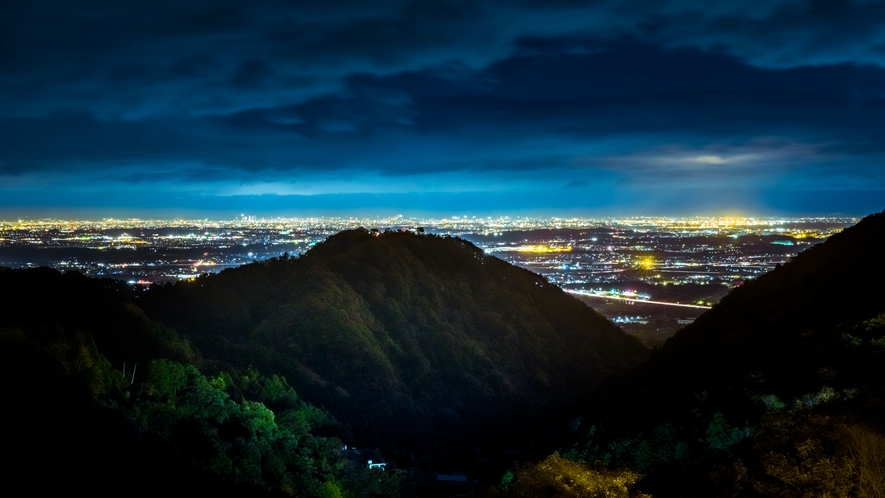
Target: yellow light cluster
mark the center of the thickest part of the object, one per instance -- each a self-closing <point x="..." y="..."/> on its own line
<point x="542" y="248"/>
<point x="647" y="263"/>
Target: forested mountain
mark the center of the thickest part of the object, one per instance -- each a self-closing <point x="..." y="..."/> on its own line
<point x="426" y="347"/>
<point x="423" y="344"/>
<point x="100" y="399"/>
<point x="776" y="391"/>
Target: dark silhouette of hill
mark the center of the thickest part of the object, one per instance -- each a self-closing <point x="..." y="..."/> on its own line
<point x="767" y="394"/>
<point x="421" y="343"/>
<point x="62" y="428"/>
<point x="771" y="322"/>
<point x="98" y="398"/>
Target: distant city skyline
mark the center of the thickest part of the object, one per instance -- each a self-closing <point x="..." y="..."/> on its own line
<point x="584" y="108"/>
<point x="413" y="218"/>
<point x="102" y="206"/>
<point x="570" y="251"/>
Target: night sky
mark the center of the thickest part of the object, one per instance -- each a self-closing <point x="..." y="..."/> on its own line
<point x="291" y="108"/>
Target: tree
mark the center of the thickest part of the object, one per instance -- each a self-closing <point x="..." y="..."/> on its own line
<point x="805" y="456"/>
<point x="867" y="449"/>
<point x="558" y="477"/>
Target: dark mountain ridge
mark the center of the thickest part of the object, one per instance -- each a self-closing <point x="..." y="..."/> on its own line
<point x="776" y="391"/>
<point x="782" y="314"/>
<point x="417" y="341"/>
<point x="440" y="354"/>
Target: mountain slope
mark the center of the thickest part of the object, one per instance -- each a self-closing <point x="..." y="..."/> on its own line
<point x="791" y="309"/>
<point x="101" y="399"/>
<point x="766" y="394"/>
<point x="415" y="340"/>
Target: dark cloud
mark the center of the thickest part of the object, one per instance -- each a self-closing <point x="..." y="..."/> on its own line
<point x="608" y="106"/>
<point x="189" y="56"/>
<point x="489" y="95"/>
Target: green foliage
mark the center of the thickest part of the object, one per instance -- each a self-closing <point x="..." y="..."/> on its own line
<point x="77" y="354"/>
<point x="721" y="435"/>
<point x="65" y="340"/>
<point x="507" y="480"/>
<point x="809" y="400"/>
<point x="641" y="454"/>
<point x="212" y="423"/>
<point x="875" y="325"/>
<point x="331" y="490"/>
<point x="851" y="340"/>
<point x="165" y="378"/>
<point x="772" y="402"/>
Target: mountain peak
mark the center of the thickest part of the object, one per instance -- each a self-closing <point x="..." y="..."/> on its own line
<point x="405" y="335"/>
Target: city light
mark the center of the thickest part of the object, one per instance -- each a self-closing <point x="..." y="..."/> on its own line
<point x="573" y="253"/>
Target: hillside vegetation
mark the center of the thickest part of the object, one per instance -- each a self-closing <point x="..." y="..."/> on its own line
<point x="776" y="391"/>
<point x="421" y="343"/>
<point x="444" y="357"/>
<point x="101" y="399"/>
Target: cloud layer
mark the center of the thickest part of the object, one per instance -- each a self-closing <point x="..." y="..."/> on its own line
<point x="398" y="97"/>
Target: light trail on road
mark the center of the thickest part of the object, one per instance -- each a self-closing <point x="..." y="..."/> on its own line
<point x="607" y="296"/>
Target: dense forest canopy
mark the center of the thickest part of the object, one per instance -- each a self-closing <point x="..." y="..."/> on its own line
<point x="417" y="341"/>
<point x="420" y="345"/>
<point x="102" y="399"/>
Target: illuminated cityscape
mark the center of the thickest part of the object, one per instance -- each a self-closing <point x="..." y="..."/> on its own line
<point x="645" y="273"/>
